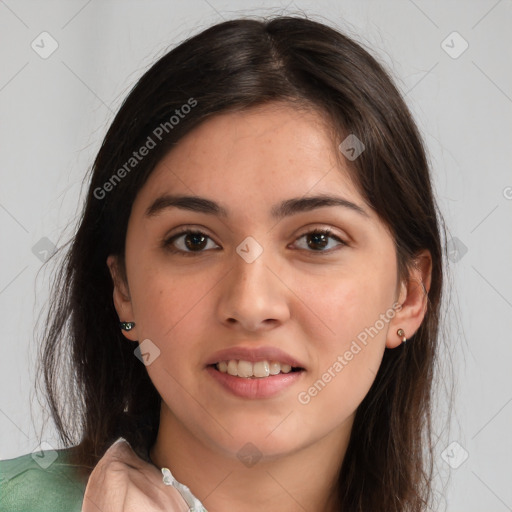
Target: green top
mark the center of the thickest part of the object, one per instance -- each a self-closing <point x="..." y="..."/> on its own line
<point x="41" y="482"/>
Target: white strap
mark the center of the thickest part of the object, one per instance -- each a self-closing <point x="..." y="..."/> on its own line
<point x="194" y="504"/>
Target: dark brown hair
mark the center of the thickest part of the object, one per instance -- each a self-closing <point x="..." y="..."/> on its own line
<point x="97" y="390"/>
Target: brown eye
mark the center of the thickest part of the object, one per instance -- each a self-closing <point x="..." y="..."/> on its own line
<point x="195" y="241"/>
<point x="189" y="242"/>
<point x="319" y="240"/>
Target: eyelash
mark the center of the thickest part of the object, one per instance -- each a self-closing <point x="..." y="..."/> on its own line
<point x="167" y="243"/>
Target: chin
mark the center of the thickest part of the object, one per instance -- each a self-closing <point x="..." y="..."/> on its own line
<point x="251" y="442"/>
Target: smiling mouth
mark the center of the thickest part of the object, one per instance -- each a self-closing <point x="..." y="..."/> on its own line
<point x="258" y="370"/>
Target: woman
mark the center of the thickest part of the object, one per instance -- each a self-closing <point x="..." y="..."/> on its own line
<point x="251" y="300"/>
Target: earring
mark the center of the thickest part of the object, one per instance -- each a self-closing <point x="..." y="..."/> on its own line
<point x="126" y="326"/>
<point x="401" y="333"/>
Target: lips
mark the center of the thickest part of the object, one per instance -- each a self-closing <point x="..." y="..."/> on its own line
<point x="255" y="372"/>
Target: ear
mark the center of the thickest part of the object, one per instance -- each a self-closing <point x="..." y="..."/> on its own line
<point x="413" y="300"/>
<point x="122" y="301"/>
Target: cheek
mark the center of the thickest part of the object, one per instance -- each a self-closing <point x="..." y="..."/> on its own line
<point x="341" y="306"/>
<point x="171" y="311"/>
<point x="354" y="312"/>
<point x="346" y="363"/>
<point x="165" y="301"/>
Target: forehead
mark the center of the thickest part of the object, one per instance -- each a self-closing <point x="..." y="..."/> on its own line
<point x="270" y="151"/>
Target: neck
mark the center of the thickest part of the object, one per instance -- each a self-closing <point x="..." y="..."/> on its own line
<point x="303" y="480"/>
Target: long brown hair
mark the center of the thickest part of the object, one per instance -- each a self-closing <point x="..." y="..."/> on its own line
<point x="97" y="390"/>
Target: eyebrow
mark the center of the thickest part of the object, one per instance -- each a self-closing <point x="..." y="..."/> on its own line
<point x="284" y="209"/>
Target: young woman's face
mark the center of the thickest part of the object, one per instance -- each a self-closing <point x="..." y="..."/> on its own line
<point x="259" y="283"/>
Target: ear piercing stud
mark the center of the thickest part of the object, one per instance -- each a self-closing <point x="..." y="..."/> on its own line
<point x="126" y="326"/>
<point x="401" y="333"/>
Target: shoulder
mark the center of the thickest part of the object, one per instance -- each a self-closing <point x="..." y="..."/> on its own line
<point x="41" y="481"/>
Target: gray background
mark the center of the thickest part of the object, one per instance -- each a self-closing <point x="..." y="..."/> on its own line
<point x="54" y="112"/>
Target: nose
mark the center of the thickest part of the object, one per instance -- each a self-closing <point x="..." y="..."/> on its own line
<point x="253" y="297"/>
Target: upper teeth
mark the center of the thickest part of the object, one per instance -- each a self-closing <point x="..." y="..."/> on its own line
<point x="247" y="369"/>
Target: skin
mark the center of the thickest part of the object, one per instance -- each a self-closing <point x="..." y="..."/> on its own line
<point x="310" y="304"/>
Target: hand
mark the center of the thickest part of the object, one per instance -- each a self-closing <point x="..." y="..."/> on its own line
<point x="123" y="482"/>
